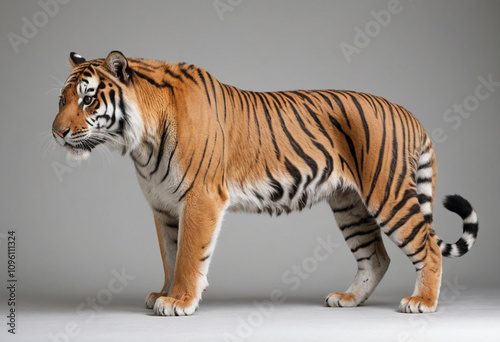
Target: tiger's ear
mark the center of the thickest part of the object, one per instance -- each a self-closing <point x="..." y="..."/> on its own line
<point x="75" y="59"/>
<point x="118" y="65"/>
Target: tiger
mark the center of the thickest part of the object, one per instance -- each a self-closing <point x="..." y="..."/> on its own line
<point x="202" y="148"/>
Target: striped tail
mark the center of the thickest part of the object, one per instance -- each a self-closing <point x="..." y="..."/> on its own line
<point x="462" y="207"/>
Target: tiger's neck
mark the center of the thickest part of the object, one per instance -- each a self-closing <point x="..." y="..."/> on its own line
<point x="197" y="110"/>
<point x="155" y="103"/>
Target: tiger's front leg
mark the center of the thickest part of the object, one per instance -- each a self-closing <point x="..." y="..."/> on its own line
<point x="199" y="227"/>
<point x="167" y="228"/>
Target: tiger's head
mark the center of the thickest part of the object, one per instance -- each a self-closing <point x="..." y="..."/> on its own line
<point x="97" y="106"/>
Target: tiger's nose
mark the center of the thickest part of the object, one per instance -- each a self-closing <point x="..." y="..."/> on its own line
<point x="62" y="132"/>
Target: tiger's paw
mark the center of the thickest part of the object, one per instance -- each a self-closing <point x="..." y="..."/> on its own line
<point x="168" y="306"/>
<point x="151" y="299"/>
<point x="417" y="305"/>
<point x="340" y="300"/>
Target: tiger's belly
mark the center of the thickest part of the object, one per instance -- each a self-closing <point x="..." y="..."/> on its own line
<point x="279" y="196"/>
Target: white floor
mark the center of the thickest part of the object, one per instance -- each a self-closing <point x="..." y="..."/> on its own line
<point x="474" y="314"/>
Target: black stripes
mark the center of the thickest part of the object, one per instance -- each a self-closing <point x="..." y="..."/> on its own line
<point x="364" y="245"/>
<point x="357" y="223"/>
<point x="412" y="234"/>
<point x="420" y="249"/>
<point x="298" y="148"/>
<point x="278" y="191"/>
<point x="366" y="258"/>
<point x="205" y="258"/>
<point x="423" y="198"/>
<point x="161" y="84"/>
<point x="409" y="194"/>
<point x="319" y="124"/>
<point x="160" y="149"/>
<point x="425" y="165"/>
<point x="394" y="158"/>
<point x="344" y="209"/>
<point x="341" y="106"/>
<point x="471" y="228"/>
<point x="296" y="175"/>
<point x="414" y="209"/>
<point x="251" y="100"/>
<point x="169" y="162"/>
<point x="265" y="107"/>
<point x="210" y="159"/>
<point x="462" y="246"/>
<point x="379" y="162"/>
<point x="185" y="174"/>
<point x="150" y="148"/>
<point x="445" y="248"/>
<point x="201" y="76"/>
<point x="361" y="233"/>
<point x="421" y="180"/>
<point x="197" y="171"/>
<point x="186" y="74"/>
<point x="403" y="123"/>
<point x="363" y="120"/>
<point x="352" y="148"/>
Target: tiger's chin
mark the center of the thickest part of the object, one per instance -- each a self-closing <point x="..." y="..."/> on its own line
<point x="78" y="154"/>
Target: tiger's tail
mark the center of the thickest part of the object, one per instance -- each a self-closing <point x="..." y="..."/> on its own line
<point x="425" y="179"/>
<point x="463" y="208"/>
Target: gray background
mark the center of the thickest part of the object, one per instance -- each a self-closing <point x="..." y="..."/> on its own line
<point x="72" y="232"/>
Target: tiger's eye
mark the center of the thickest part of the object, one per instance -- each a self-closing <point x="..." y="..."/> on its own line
<point x="87" y="100"/>
<point x="62" y="101"/>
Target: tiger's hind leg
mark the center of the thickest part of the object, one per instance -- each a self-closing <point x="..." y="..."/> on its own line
<point x="406" y="225"/>
<point x="407" y="220"/>
<point x="362" y="235"/>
